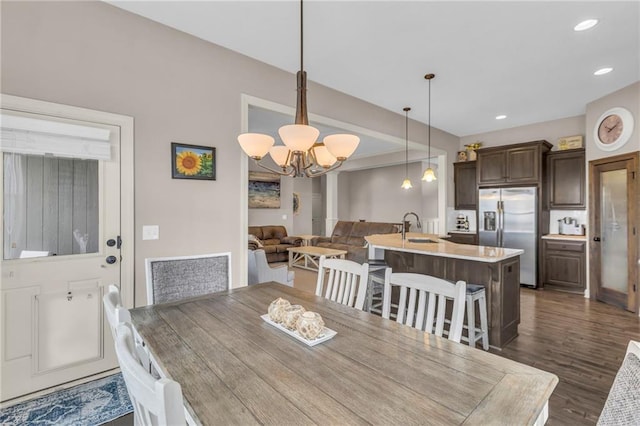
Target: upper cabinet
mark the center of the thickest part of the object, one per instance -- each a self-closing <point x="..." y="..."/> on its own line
<point x="511" y="164"/>
<point x="566" y="180"/>
<point x="466" y="189"/>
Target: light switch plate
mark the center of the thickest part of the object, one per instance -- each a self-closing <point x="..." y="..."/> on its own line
<point x="150" y="232"/>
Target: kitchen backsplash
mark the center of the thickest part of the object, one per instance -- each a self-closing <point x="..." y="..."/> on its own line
<point x="555" y="215"/>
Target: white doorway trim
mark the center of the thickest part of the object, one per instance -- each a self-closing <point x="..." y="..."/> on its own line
<point x="125" y="123"/>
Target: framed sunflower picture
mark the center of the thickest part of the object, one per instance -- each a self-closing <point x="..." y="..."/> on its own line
<point x="193" y="162"/>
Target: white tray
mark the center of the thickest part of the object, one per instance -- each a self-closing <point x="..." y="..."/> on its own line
<point x="324" y="336"/>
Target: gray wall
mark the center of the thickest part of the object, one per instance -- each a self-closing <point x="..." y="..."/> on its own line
<point x="375" y="195"/>
<point x="178" y="89"/>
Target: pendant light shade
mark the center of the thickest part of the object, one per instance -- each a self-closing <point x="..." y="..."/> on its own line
<point x="406" y="184"/>
<point x="301" y="155"/>
<point x="429" y="175"/>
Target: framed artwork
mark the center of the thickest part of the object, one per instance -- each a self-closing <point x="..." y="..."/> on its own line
<point x="296" y="203"/>
<point x="264" y="190"/>
<point x="193" y="162"/>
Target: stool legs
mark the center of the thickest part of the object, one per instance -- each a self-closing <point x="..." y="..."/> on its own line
<point x="471" y="321"/>
<point x="480" y="297"/>
<point x="483" y="322"/>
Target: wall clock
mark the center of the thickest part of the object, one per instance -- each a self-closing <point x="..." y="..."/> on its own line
<point x="613" y="129"/>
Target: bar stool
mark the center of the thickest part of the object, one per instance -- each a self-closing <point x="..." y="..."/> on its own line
<point x="375" y="286"/>
<point x="475" y="293"/>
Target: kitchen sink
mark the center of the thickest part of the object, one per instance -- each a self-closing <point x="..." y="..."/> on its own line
<point x="421" y="240"/>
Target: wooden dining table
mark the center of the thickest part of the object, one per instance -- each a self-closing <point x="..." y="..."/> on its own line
<point x="234" y="368"/>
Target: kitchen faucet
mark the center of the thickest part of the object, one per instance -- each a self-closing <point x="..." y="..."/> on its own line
<point x="404" y="218"/>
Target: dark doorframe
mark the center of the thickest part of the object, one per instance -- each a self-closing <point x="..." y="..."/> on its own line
<point x="630" y="163"/>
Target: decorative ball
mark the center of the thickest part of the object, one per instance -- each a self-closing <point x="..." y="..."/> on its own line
<point x="291" y="315"/>
<point x="310" y="325"/>
<point x="276" y="309"/>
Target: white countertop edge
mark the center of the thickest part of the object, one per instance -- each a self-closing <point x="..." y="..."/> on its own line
<point x="457" y="231"/>
<point x="564" y="237"/>
<point x="484" y="259"/>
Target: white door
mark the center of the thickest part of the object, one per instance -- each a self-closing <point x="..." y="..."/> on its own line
<point x="61" y="248"/>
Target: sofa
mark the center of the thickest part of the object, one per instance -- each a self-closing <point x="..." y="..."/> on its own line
<point x="273" y="239"/>
<point x="349" y="236"/>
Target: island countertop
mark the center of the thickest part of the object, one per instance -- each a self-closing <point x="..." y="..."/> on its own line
<point x="440" y="247"/>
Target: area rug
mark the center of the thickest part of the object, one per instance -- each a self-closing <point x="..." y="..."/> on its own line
<point x="92" y="403"/>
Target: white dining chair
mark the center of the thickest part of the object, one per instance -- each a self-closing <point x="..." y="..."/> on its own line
<point x="155" y="401"/>
<point x="423" y="301"/>
<point x="116" y="315"/>
<point x="259" y="270"/>
<point x="113" y="309"/>
<point x="623" y="403"/>
<point x="170" y="279"/>
<point x="346" y="281"/>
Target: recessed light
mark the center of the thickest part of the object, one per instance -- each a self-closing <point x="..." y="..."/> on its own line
<point x="585" y="25"/>
<point x="501" y="117"/>
<point x="603" y="71"/>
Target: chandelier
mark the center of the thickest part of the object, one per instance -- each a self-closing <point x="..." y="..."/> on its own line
<point x="429" y="175"/>
<point x="406" y="184"/>
<point x="302" y="155"/>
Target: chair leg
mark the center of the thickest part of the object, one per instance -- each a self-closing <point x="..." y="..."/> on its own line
<point x="482" y="301"/>
<point x="471" y="322"/>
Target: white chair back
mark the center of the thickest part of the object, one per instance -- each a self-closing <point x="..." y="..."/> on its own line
<point x="423" y="302"/>
<point x="171" y="279"/>
<point x="113" y="309"/>
<point x="155" y="402"/>
<point x="346" y="282"/>
<point x="259" y="270"/>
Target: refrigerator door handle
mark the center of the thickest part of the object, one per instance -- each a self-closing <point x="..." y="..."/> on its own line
<point x="500" y="233"/>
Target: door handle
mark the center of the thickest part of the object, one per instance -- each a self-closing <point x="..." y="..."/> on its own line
<point x="597" y="239"/>
<point x="111" y="260"/>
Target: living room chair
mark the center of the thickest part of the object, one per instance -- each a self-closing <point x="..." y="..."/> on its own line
<point x="423" y="302"/>
<point x="623" y="403"/>
<point x="259" y="270"/>
<point x="346" y="282"/>
<point x="171" y="279"/>
<point x="155" y="401"/>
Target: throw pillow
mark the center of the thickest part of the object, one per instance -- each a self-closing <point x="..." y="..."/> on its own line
<point x="256" y="240"/>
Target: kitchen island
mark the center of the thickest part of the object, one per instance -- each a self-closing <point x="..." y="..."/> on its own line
<point x="497" y="269"/>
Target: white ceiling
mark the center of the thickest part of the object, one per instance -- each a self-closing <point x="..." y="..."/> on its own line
<point x="522" y="59"/>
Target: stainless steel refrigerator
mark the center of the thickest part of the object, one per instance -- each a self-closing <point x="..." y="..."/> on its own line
<point x="507" y="218"/>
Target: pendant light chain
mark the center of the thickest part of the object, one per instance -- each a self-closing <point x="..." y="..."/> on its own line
<point x="406" y="141"/>
<point x="301" y="36"/>
<point x="429" y="123"/>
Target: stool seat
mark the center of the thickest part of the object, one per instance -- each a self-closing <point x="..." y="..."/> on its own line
<point x="477" y="293"/>
<point x="474" y="288"/>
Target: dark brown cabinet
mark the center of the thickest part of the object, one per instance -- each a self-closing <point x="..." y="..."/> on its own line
<point x="564" y="265"/>
<point x="466" y="189"/>
<point x="511" y="164"/>
<point x="566" y="179"/>
<point x="459" y="238"/>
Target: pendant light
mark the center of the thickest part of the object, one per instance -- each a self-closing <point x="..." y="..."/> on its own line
<point x="301" y="155"/>
<point x="429" y="175"/>
<point x="406" y="184"/>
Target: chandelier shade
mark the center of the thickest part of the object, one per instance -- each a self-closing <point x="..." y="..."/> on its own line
<point x="341" y="146"/>
<point x="298" y="137"/>
<point x="323" y="156"/>
<point x="302" y="155"/>
<point x="280" y="155"/>
<point x="255" y="145"/>
<point x="429" y="175"/>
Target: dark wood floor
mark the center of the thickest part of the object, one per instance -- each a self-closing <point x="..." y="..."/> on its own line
<point x="581" y="341"/>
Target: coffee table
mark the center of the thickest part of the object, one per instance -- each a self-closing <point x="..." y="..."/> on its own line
<point x="306" y="257"/>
